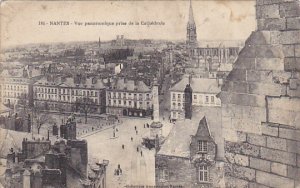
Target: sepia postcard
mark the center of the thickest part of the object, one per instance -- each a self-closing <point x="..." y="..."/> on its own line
<point x="150" y="94"/>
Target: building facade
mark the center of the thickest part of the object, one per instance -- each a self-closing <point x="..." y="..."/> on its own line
<point x="193" y="162"/>
<point x="63" y="93"/>
<point x="16" y="85"/>
<point x="129" y="98"/>
<point x="204" y="93"/>
<point x="65" y="163"/>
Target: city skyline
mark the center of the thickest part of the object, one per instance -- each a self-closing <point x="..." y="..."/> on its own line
<point x="228" y="16"/>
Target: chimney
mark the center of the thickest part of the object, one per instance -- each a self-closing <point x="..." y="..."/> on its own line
<point x="190" y="79"/>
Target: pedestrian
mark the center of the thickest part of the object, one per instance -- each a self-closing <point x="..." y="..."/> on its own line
<point x="137" y="149"/>
<point x="147" y="125"/>
<point x="131" y="139"/>
<point x="122" y="146"/>
<point x="144" y="126"/>
<point x="117" y="129"/>
<point x="134" y="127"/>
<point x="136" y="132"/>
<point x="141" y="153"/>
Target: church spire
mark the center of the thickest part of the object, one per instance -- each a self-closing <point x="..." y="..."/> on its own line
<point x="191" y="37"/>
<point x="191" y="15"/>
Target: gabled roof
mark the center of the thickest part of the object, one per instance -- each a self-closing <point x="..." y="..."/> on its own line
<point x="204" y="119"/>
<point x="198" y="85"/>
<point x="203" y="130"/>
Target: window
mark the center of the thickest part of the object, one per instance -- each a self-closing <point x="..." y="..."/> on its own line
<point x="206" y="99"/>
<point x="195" y="97"/>
<point x="173" y="96"/>
<point x="119" y="101"/>
<point x="212" y="99"/>
<point x="203" y="173"/>
<point x="129" y="103"/>
<point x="202" y="146"/>
<point x="163" y="174"/>
<point x="178" y="96"/>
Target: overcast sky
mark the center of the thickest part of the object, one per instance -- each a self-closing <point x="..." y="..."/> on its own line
<point x="226" y="20"/>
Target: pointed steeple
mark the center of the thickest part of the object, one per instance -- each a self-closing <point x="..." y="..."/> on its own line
<point x="191" y="37"/>
<point x="203" y="130"/>
<point x="191" y="15"/>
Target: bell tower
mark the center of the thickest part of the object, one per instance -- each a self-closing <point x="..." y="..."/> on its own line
<point x="191" y="31"/>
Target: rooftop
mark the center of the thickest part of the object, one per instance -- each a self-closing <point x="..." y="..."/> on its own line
<point x="130" y="85"/>
<point x="178" y="141"/>
<point x="199" y="85"/>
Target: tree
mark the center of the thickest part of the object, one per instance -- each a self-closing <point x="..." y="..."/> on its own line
<point x="42" y="118"/>
<point x="23" y="103"/>
<point x="85" y="105"/>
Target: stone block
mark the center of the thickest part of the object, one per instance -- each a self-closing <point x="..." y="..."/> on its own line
<point x="256" y="139"/>
<point x="269" y="51"/>
<point x="292" y="63"/>
<point x="238" y="87"/>
<point x="293" y="146"/>
<point x="241" y="136"/>
<point x="276" y="143"/>
<point x="248" y="51"/>
<point x="278" y="156"/>
<point x="256" y="185"/>
<point x="290" y="37"/>
<point x="237" y="75"/>
<point x="272" y="180"/>
<point x="297" y="50"/>
<point x="245" y="63"/>
<point x="291" y="134"/>
<point x="289" y="9"/>
<point x="269" y="130"/>
<point x="265" y="89"/>
<point x="293" y="172"/>
<point x="267" y="11"/>
<point x="284" y="117"/>
<point x="269" y="63"/>
<point x="260" y="164"/>
<point x="293" y="23"/>
<point x="238" y="159"/>
<point x="275" y="37"/>
<point x="242" y="148"/>
<point x="288" y="50"/>
<point x="235" y="182"/>
<point x="279" y="169"/>
<point x="261" y="76"/>
<point x="248" y="100"/>
<point x="271" y="24"/>
<point x="240" y="172"/>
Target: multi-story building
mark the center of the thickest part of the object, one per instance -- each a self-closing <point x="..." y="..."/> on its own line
<point x="16" y="84"/>
<point x="64" y="163"/>
<point x="204" y="93"/>
<point x="129" y="98"/>
<point x="62" y="93"/>
<point x="189" y="157"/>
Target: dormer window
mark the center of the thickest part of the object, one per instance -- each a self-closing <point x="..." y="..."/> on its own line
<point x="202" y="146"/>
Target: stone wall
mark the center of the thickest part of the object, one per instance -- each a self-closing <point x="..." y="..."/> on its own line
<point x="270" y="159"/>
<point x="260" y="102"/>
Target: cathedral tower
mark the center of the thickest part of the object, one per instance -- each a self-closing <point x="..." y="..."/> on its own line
<point x="191" y="33"/>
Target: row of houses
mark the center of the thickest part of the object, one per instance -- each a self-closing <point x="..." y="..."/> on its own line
<point x="117" y="96"/>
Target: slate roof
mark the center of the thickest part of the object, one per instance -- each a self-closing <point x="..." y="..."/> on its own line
<point x="178" y="141"/>
<point x="129" y="85"/>
<point x="69" y="82"/>
<point x="199" y="85"/>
